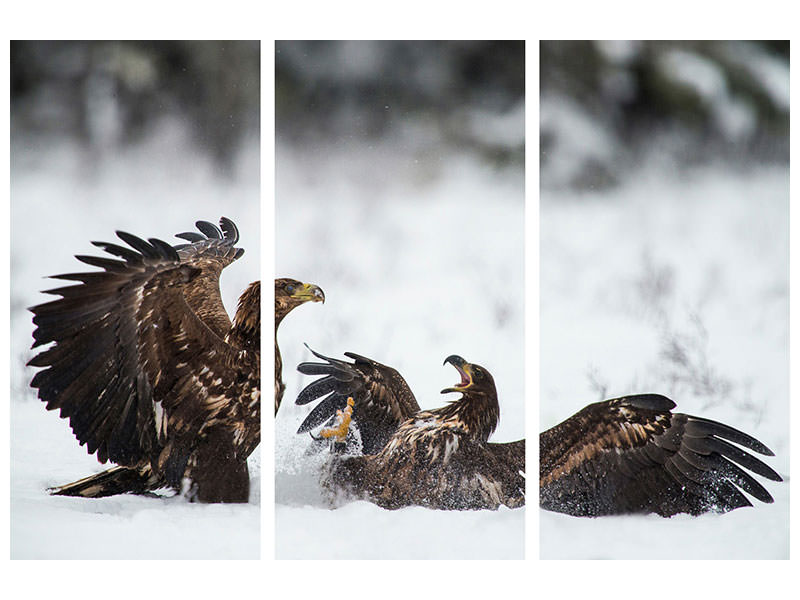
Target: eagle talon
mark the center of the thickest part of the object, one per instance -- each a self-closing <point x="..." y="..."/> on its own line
<point x="338" y="431"/>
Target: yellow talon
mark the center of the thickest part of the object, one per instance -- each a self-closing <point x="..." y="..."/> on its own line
<point x="338" y="431"/>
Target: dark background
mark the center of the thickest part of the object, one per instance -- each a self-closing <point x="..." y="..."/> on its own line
<point x="692" y="103"/>
<point x="108" y="94"/>
<point x="426" y="92"/>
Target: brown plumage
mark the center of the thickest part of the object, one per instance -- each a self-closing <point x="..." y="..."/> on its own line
<point x="289" y="294"/>
<point x="382" y="397"/>
<point x="633" y="455"/>
<point x="151" y="372"/>
<point x="438" y="458"/>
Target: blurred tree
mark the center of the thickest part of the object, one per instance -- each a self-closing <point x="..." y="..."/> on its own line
<point x="107" y="94"/>
<point x="696" y="101"/>
<point x="465" y="93"/>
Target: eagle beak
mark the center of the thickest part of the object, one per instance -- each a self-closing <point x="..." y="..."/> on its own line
<point x="310" y="293"/>
<point x="464" y="369"/>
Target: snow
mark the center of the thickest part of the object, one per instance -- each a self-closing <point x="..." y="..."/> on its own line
<point x="589" y="142"/>
<point x="734" y="117"/>
<point x="678" y="284"/>
<point x="494" y="128"/>
<point x="127" y="526"/>
<point x="361" y="530"/>
<point x="420" y="255"/>
<point x="63" y="196"/>
<point x="619" y="52"/>
<point x="696" y="72"/>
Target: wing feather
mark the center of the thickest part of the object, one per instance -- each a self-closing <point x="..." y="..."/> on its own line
<point x="190" y="236"/>
<point x="699" y="427"/>
<point x="210" y="230"/>
<point x="382" y="398"/>
<point x="109" y="264"/>
<point x="136" y="335"/>
<point x="128" y="255"/>
<point x="210" y="254"/>
<point x="322" y="387"/>
<point x="489" y="474"/>
<point x="138" y="244"/>
<point x="323" y="412"/>
<point x="633" y="454"/>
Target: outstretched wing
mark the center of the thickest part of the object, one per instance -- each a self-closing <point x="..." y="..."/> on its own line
<point x="382" y="397"/>
<point x="138" y="358"/>
<point x="510" y="453"/>
<point x="497" y="470"/>
<point x="632" y="455"/>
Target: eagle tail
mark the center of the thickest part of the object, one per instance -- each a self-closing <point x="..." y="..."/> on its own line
<point x="119" y="480"/>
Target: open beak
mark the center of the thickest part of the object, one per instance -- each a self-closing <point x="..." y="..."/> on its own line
<point x="464" y="369"/>
<point x="310" y="293"/>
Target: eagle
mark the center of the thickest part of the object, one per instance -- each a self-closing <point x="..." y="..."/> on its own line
<point x="634" y="455"/>
<point x="149" y="369"/>
<point x="289" y="294"/>
<point x="439" y="458"/>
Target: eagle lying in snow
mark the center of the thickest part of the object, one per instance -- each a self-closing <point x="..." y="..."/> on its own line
<point x="633" y="455"/>
<point x="151" y="373"/>
<point x="289" y="294"/>
<point x="438" y="458"/>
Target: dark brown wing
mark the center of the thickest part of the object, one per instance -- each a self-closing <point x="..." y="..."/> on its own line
<point x="632" y="455"/>
<point x="510" y="453"/>
<point x="382" y="397"/>
<point x="495" y="471"/>
<point x="499" y="467"/>
<point x="137" y="360"/>
<point x="212" y="252"/>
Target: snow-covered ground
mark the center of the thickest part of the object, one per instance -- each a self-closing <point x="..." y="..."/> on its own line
<point x="61" y="198"/>
<point x="420" y="256"/>
<point x="678" y="284"/>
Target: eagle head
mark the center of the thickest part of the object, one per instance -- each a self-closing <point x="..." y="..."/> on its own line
<point x="290" y="293"/>
<point x="477" y="410"/>
<point x="474" y="378"/>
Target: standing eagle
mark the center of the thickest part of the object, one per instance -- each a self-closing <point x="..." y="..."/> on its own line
<point x="633" y="455"/>
<point x="151" y="373"/>
<point x="438" y="458"/>
<point x="289" y="294"/>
